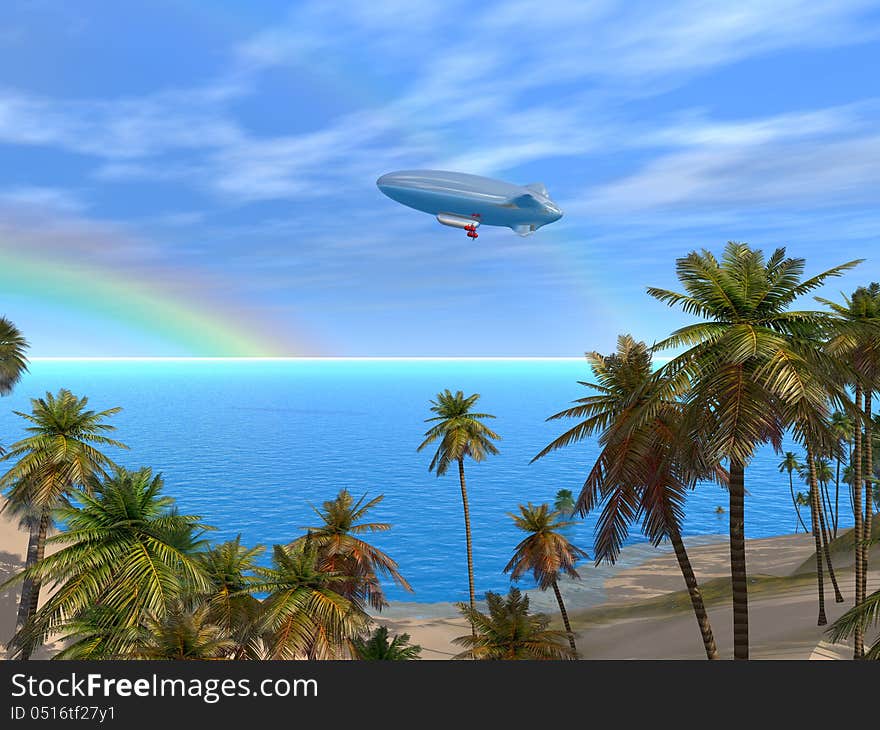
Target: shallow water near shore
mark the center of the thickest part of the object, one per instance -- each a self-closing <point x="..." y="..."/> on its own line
<point x="251" y="445"/>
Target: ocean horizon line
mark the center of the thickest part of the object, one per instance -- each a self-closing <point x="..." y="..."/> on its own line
<point x="291" y="358"/>
<point x="310" y="358"/>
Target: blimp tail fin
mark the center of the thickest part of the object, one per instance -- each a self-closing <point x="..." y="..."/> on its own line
<point x="526" y="201"/>
<point x="538" y="188"/>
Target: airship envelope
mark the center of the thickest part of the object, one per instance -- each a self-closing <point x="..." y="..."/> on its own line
<point x="466" y="201"/>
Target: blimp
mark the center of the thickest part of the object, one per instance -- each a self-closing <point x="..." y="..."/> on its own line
<point x="465" y="201"/>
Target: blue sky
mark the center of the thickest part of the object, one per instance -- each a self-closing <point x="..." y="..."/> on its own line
<point x="225" y="154"/>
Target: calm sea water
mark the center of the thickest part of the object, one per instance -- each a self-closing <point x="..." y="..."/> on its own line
<point x="252" y="445"/>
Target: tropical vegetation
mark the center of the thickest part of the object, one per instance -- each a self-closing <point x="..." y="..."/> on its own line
<point x="460" y="433"/>
<point x="507" y="630"/>
<point x="115" y="570"/>
<point x="545" y="553"/>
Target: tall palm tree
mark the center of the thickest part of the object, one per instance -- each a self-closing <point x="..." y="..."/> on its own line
<point x="819" y="536"/>
<point x="791" y="464"/>
<point x="802" y="499"/>
<point x="378" y="648"/>
<point x="842" y="426"/>
<point x="59" y="454"/>
<point x="825" y="475"/>
<point x="126" y="554"/>
<point x="742" y="359"/>
<point x="341" y="550"/>
<point x="645" y="467"/>
<point x="305" y="613"/>
<point x="509" y="631"/>
<point x="545" y="553"/>
<point x="461" y="433"/>
<point x="857" y="340"/>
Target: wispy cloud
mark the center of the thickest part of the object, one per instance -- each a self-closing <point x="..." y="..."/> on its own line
<point x="484" y="100"/>
<point x="41" y="199"/>
<point x="826" y="158"/>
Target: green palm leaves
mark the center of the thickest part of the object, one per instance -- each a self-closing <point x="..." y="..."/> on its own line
<point x="753" y="361"/>
<point x="340" y="550"/>
<point x="378" y="648"/>
<point x="305" y="613"/>
<point x="134" y="578"/>
<point x="461" y="433"/>
<point x="508" y="631"/>
<point x="61" y="453"/>
<point x="121" y="553"/>
<point x="13" y="363"/>
<point x="459" y="430"/>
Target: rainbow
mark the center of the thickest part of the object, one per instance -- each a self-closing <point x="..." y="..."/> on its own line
<point x="189" y="323"/>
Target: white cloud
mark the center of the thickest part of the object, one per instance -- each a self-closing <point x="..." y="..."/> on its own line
<point x="486" y="89"/>
<point x="38" y="199"/>
<point x="827" y="157"/>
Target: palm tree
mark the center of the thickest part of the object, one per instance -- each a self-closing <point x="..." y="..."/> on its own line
<point x="857" y="340"/>
<point x="790" y="464"/>
<point x="858" y="620"/>
<point x="564" y="502"/>
<point x="644" y="470"/>
<point x="228" y="568"/>
<point x="509" y="631"/>
<point x="802" y="499"/>
<point x="59" y="455"/>
<point x="461" y="433"/>
<point x="305" y="613"/>
<point x="842" y="426"/>
<point x="341" y="550"/>
<point x="126" y="554"/>
<point x="378" y="648"/>
<point x="818" y="526"/>
<point x="824" y="476"/>
<point x="182" y="633"/>
<point x="821" y="474"/>
<point x="13" y="363"/>
<point x="743" y="361"/>
<point x="545" y="553"/>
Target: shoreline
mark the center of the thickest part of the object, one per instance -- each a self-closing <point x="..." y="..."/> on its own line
<point x="636" y="609"/>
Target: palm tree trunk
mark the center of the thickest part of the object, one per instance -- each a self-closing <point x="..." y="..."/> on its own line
<point x="24" y="600"/>
<point x="869" y="486"/>
<point x="564" y="617"/>
<point x="836" y="499"/>
<point x="738" y="575"/>
<point x="838" y="597"/>
<point x="693" y="588"/>
<point x="826" y="501"/>
<point x="814" y="514"/>
<point x="30" y="590"/>
<point x="467" y="533"/>
<point x="858" y="634"/>
<point x="794" y="502"/>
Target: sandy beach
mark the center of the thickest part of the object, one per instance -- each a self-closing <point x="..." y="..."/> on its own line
<point x="647" y="615"/>
<point x="640" y="611"/>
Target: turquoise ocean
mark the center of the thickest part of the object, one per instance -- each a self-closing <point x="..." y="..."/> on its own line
<point x="253" y="445"/>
